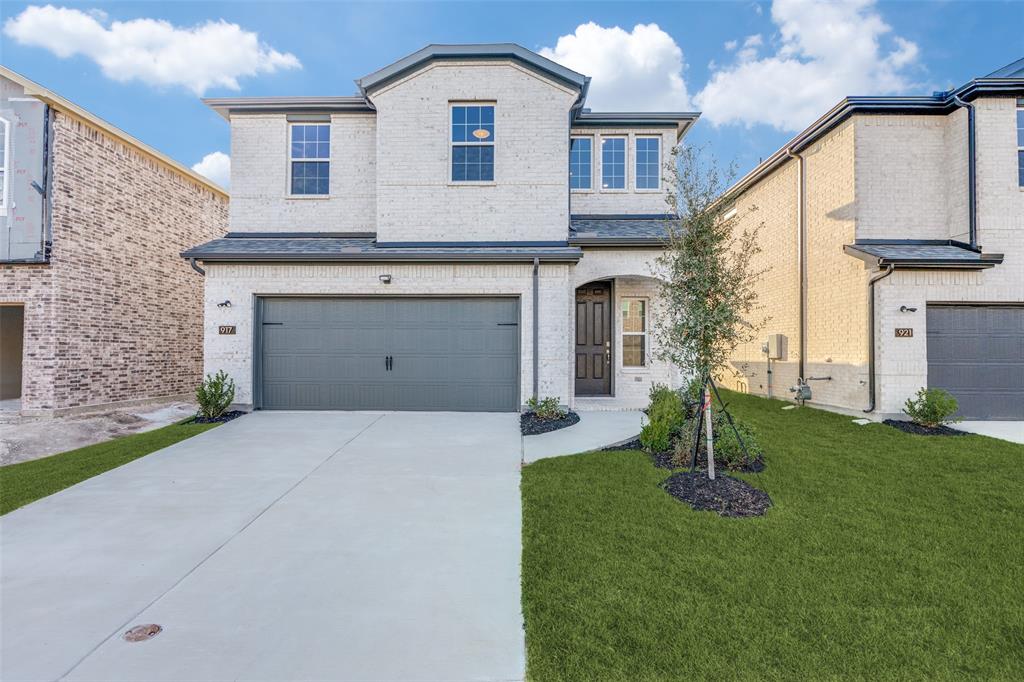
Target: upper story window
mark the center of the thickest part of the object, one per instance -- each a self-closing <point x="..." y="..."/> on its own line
<point x="472" y="143"/>
<point x="580" y="162"/>
<point x="648" y="163"/>
<point x="1020" y="141"/>
<point x="310" y="158"/>
<point x="613" y="163"/>
<point x="5" y="130"/>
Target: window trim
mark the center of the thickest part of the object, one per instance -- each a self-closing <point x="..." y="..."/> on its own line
<point x="289" y="160"/>
<point x="646" y="360"/>
<point x="636" y="172"/>
<point x="625" y="164"/>
<point x="452" y="182"/>
<point x="6" y="167"/>
<point x="589" y="189"/>
<point x="1020" y="142"/>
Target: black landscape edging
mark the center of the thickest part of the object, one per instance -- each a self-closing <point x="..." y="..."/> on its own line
<point x="532" y="425"/>
<point x="919" y="430"/>
<point x="226" y="417"/>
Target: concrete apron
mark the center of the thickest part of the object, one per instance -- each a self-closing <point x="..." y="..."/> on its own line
<point x="340" y="546"/>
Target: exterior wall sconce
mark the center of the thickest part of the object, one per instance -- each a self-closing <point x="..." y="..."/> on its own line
<point x="224" y="304"/>
<point x="905" y="309"/>
<point x="385" y="279"/>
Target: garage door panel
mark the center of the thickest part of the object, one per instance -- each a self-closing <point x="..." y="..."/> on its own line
<point x="977" y="354"/>
<point x="448" y="354"/>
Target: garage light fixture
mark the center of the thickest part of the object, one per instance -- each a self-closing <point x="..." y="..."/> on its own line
<point x="905" y="309"/>
<point x="385" y="279"/>
<point x="224" y="304"/>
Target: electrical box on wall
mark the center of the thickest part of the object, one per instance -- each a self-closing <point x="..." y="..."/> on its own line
<point x="776" y="345"/>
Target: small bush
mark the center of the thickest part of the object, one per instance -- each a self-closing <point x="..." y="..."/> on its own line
<point x="728" y="452"/>
<point x="932" y="407"/>
<point x="546" y="408"/>
<point x="665" y="415"/>
<point x="215" y="395"/>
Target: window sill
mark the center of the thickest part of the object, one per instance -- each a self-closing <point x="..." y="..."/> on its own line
<point x="307" y="197"/>
<point x="657" y="190"/>
<point x="582" y="191"/>
<point x="614" y="191"/>
<point x="472" y="183"/>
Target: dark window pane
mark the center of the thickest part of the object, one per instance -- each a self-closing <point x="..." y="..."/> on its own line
<point x="473" y="171"/>
<point x="458" y="114"/>
<point x="459" y="155"/>
<point x="633" y="351"/>
<point x="487" y="172"/>
<point x="487" y="154"/>
<point x="458" y="172"/>
<point x="487" y="115"/>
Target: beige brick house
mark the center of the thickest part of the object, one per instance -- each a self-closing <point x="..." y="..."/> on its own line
<point x="464" y="234"/>
<point x="894" y="230"/>
<point x="96" y="305"/>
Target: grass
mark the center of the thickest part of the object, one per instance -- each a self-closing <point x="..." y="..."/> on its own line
<point x="885" y="556"/>
<point x="29" y="481"/>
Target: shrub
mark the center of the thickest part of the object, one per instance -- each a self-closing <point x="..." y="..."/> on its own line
<point x="546" y="408"/>
<point x="932" y="407"/>
<point x="728" y="452"/>
<point x="215" y="395"/>
<point x="665" y="415"/>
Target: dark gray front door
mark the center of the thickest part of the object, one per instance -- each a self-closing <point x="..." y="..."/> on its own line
<point x="389" y="354"/>
<point x="977" y="354"/>
<point x="593" y="339"/>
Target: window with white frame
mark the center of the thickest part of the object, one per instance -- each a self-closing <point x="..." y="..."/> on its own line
<point x="309" y="159"/>
<point x="634" y="332"/>
<point x="472" y="143"/>
<point x="580" y="162"/>
<point x="613" y="163"/>
<point x="1020" y="141"/>
<point x="5" y="154"/>
<point x="648" y="162"/>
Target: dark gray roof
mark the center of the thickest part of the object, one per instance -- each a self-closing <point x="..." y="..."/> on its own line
<point x="620" y="230"/>
<point x="473" y="51"/>
<point x="922" y="254"/>
<point x="1014" y="70"/>
<point x="339" y="247"/>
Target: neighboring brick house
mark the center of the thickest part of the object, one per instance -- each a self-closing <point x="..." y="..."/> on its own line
<point x="892" y="190"/>
<point x="461" y="235"/>
<point x="96" y="305"/>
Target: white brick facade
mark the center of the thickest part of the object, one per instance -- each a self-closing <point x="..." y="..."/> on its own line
<point x="629" y="200"/>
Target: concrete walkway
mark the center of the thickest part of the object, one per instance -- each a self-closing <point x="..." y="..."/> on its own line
<point x="596" y="429"/>
<point x="314" y="546"/>
<point x="1011" y="431"/>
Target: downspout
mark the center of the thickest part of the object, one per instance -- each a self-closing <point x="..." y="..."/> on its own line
<point x="972" y="172"/>
<point x="801" y="260"/>
<point x="536" y="323"/>
<point x="192" y="262"/>
<point x="871" y="336"/>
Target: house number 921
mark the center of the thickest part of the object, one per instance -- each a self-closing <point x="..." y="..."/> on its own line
<point x="904" y="332"/>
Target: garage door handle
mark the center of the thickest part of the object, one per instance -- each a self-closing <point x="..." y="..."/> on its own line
<point x="508" y="324"/>
<point x="273" y="324"/>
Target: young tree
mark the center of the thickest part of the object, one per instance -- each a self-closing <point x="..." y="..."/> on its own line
<point x="708" y="277"/>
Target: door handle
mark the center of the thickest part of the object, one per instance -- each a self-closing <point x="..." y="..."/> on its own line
<point x="387" y="363"/>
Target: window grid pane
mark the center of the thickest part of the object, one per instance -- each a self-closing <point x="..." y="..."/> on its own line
<point x="613" y="163"/>
<point x="634" y="332"/>
<point x="473" y="143"/>
<point x="1020" y="127"/>
<point x="634" y="316"/>
<point x="310" y="177"/>
<point x="311" y="141"/>
<point x="580" y="163"/>
<point x="647" y="163"/>
<point x="1020" y="167"/>
<point x="634" y="351"/>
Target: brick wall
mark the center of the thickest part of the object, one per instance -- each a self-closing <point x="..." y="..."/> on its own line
<point x="260" y="200"/>
<point x="241" y="283"/>
<point x="116" y="315"/>
<point x="629" y="200"/>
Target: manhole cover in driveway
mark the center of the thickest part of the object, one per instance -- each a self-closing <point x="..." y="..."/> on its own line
<point x="140" y="633"/>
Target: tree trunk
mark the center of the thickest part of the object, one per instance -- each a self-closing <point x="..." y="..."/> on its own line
<point x="711" y="435"/>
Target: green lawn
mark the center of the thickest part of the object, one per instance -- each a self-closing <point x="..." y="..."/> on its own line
<point x="885" y="556"/>
<point x="28" y="481"/>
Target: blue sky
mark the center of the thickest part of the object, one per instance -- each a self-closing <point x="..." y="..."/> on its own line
<point x="760" y="71"/>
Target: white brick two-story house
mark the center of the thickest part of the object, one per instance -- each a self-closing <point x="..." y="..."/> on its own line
<point x="462" y="235"/>
<point x="893" y="228"/>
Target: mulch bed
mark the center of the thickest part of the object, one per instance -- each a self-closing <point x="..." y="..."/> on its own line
<point x="226" y="417"/>
<point x="628" y="445"/>
<point x="917" y="429"/>
<point x="532" y="425"/>
<point x="727" y="496"/>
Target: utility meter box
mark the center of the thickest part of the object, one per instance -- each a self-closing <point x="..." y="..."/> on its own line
<point x="776" y="344"/>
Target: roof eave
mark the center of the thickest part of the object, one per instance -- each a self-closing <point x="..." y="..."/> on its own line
<point x="383" y="258"/>
<point x="984" y="261"/>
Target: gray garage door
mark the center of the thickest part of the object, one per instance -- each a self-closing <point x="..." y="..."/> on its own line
<point x="389" y="354"/>
<point x="977" y="354"/>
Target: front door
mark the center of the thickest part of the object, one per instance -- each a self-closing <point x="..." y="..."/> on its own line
<point x="593" y="339"/>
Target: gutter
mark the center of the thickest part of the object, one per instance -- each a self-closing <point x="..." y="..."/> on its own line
<point x="801" y="251"/>
<point x="972" y="172"/>
<point x="192" y="262"/>
<point x="379" y="258"/>
<point x="536" y="326"/>
<point x="871" y="336"/>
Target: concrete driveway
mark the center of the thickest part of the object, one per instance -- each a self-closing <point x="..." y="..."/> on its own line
<point x="314" y="546"/>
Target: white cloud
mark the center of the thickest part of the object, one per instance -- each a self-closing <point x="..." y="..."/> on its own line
<point x="825" y="51"/>
<point x="638" y="70"/>
<point x="217" y="167"/>
<point x="213" y="54"/>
